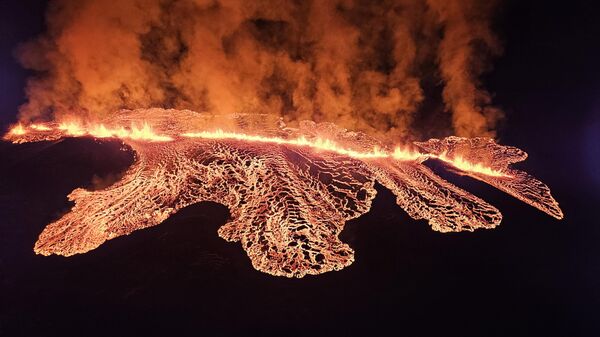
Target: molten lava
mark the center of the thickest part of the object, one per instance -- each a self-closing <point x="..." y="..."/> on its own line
<point x="290" y="190"/>
<point x="144" y="132"/>
<point x="17" y="130"/>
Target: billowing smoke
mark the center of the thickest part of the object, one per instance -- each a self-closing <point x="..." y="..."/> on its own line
<point x="359" y="63"/>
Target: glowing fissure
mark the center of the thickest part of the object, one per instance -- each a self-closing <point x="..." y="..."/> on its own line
<point x="146" y="133"/>
<point x="17" y="130"/>
<point x="289" y="190"/>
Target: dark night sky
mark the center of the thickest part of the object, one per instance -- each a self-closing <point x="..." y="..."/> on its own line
<point x="532" y="276"/>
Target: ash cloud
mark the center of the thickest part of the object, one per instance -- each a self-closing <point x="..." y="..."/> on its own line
<point x="359" y="64"/>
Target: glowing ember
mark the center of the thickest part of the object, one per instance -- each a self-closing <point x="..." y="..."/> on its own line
<point x="289" y="190"/>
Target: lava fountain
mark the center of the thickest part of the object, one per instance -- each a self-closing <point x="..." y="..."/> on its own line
<point x="289" y="190"/>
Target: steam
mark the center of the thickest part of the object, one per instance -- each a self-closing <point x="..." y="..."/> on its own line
<point x="360" y="64"/>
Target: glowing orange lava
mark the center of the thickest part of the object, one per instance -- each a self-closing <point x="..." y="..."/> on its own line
<point x="289" y="190"/>
<point x="17" y="130"/>
<point x="318" y="144"/>
<point x="466" y="166"/>
<point x="40" y="127"/>
<point x="71" y="129"/>
<point x="145" y="132"/>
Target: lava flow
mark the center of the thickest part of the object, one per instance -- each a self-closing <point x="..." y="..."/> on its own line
<point x="289" y="190"/>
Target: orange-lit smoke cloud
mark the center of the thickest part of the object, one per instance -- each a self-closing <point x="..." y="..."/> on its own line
<point x="360" y="64"/>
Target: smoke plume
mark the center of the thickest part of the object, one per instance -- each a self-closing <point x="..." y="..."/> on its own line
<point x="358" y="63"/>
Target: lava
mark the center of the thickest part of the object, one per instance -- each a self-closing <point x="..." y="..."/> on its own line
<point x="319" y="143"/>
<point x="466" y="166"/>
<point x="289" y="190"/>
<point x="144" y="132"/>
<point x="40" y="127"/>
<point x="17" y="130"/>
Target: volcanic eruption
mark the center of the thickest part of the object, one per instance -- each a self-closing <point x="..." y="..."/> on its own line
<point x="286" y="112"/>
<point x="289" y="190"/>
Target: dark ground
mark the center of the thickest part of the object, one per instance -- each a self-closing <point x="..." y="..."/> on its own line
<point x="532" y="276"/>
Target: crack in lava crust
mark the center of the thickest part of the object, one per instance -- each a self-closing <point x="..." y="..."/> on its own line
<point x="288" y="203"/>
